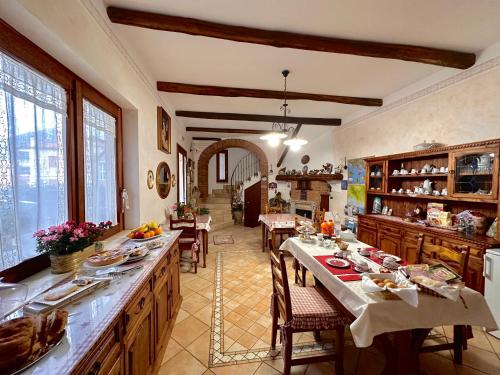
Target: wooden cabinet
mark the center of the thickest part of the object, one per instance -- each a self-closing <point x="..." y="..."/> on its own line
<point x="162" y="306"/>
<point x="139" y="340"/>
<point x="175" y="281"/>
<point x="400" y="238"/>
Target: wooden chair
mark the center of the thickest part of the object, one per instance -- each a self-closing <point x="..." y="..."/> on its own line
<point x="188" y="239"/>
<point x="457" y="259"/>
<point x="306" y="309"/>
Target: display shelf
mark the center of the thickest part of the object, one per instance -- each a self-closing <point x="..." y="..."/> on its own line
<point x="433" y="197"/>
<point x="310" y="177"/>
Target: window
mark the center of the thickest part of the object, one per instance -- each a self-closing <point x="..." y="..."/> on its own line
<point x="99" y="138"/>
<point x="222" y="161"/>
<point x="33" y="191"/>
<point x="60" y="152"/>
<point x="181" y="175"/>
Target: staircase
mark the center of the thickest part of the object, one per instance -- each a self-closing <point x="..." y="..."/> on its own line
<point x="219" y="204"/>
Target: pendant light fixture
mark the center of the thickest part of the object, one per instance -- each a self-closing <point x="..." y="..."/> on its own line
<point x="281" y="131"/>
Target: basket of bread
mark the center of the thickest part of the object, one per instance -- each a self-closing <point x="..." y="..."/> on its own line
<point x="390" y="286"/>
<point x="25" y="340"/>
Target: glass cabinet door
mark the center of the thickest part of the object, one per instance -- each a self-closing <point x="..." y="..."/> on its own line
<point x="474" y="173"/>
<point x="376" y="177"/>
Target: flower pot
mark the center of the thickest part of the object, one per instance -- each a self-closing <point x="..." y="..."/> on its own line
<point x="70" y="262"/>
<point x="238" y="217"/>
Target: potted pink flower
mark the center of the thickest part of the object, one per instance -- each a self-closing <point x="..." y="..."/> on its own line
<point x="69" y="243"/>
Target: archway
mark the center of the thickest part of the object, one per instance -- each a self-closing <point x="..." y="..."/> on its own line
<point x="228" y="143"/>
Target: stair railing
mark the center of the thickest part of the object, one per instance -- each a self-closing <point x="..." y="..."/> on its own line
<point x="247" y="167"/>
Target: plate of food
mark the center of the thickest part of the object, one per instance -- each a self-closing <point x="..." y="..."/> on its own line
<point x="382" y="254"/>
<point x="137" y="254"/>
<point x="106" y="259"/>
<point x="30" y="338"/>
<point x="338" y="263"/>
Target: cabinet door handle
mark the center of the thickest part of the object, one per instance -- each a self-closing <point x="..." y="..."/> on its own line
<point x="451" y="171"/>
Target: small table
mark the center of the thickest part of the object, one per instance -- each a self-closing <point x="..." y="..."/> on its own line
<point x="277" y="224"/>
<point x="373" y="315"/>
<point x="203" y="226"/>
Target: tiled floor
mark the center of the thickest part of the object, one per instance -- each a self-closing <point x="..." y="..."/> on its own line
<point x="225" y="318"/>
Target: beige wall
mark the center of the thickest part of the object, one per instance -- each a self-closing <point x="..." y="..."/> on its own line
<point x="466" y="112"/>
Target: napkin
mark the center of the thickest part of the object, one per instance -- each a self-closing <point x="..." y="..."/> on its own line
<point x="408" y="294"/>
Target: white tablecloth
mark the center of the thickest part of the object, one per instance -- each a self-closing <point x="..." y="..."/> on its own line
<point x="203" y="222"/>
<point x="375" y="315"/>
<point x="276" y="221"/>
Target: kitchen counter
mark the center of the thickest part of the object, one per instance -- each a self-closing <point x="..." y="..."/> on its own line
<point x="90" y="317"/>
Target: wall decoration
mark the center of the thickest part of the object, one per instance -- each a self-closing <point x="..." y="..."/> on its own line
<point x="305" y="159"/>
<point x="343" y="184"/>
<point x="174" y="182"/>
<point x="356" y="197"/>
<point x="164" y="132"/>
<point x="273" y="185"/>
<point x="163" y="180"/>
<point x="151" y="179"/>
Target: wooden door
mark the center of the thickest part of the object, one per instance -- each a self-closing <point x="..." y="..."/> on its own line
<point x="367" y="235"/>
<point x="252" y="205"/>
<point x="389" y="244"/>
<point x="162" y="311"/>
<point x="139" y="345"/>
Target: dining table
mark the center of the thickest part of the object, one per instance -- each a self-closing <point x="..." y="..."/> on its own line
<point x="278" y="225"/>
<point x="203" y="227"/>
<point x="401" y="327"/>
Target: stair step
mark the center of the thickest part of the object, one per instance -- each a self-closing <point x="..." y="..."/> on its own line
<point x="216" y="200"/>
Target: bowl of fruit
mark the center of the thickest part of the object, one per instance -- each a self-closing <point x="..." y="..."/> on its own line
<point x="146" y="232"/>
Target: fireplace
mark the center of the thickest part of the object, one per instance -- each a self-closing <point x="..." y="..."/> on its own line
<point x="303" y="208"/>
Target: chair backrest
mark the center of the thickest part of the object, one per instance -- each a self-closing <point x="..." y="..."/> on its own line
<point x="281" y="289"/>
<point x="319" y="217"/>
<point x="188" y="227"/>
<point x="457" y="258"/>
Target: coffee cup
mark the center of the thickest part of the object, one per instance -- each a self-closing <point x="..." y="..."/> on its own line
<point x="379" y="173"/>
<point x="408" y="191"/>
<point x="423" y="170"/>
<point x="372" y="174"/>
<point x="413" y="171"/>
<point x="319" y="236"/>
<point x="442" y="170"/>
<point x="435" y="170"/>
<point x="361" y="265"/>
<point x="394" y="191"/>
<point x="436" y="192"/>
<point x="401" y="191"/>
<point x="444" y="191"/>
<point x="395" y="172"/>
<point x="403" y="171"/>
<point x="364" y="252"/>
<point x="327" y="242"/>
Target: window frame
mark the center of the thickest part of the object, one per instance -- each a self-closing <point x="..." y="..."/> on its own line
<point x="218" y="178"/>
<point x="183" y="152"/>
<point x="21" y="49"/>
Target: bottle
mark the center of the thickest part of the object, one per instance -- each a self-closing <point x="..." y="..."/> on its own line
<point x="330" y="228"/>
<point x="338" y="225"/>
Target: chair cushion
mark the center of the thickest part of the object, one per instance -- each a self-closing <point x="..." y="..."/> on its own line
<point x="312" y="309"/>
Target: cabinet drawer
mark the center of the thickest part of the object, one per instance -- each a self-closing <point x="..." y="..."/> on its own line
<point x="390" y="232"/>
<point x="410" y="237"/>
<point x="107" y="354"/>
<point x="368" y="224"/>
<point x="160" y="273"/>
<point x="139" y="304"/>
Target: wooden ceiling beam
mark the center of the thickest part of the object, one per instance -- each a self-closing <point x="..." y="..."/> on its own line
<point x="186" y="88"/>
<point x="282" y="39"/>
<point x="285" y="150"/>
<point x="206" y="139"/>
<point x="260" y="118"/>
<point x="222" y="130"/>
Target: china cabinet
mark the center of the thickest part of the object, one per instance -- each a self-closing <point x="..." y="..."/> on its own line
<point x="462" y="177"/>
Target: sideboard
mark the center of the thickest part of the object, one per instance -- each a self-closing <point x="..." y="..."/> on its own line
<point x="468" y="174"/>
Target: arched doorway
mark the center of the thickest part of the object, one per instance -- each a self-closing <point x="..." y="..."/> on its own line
<point x="228" y="143"/>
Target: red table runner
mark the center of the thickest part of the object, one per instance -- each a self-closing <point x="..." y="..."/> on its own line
<point x="345" y="274"/>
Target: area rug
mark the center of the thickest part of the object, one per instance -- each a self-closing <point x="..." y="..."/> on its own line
<point x="223" y="239"/>
<point x="240" y="330"/>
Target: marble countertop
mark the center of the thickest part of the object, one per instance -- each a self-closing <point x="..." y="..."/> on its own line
<point x="90" y="316"/>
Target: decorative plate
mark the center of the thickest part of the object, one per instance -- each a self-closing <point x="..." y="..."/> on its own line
<point x="338" y="263"/>
<point x="382" y="255"/>
<point x="151" y="179"/>
<point x="305" y="159"/>
<point x="121" y="261"/>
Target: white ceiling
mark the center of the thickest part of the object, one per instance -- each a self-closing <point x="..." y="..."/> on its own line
<point x="465" y="25"/>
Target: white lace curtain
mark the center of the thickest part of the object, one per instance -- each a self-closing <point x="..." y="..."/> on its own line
<point x="100" y="164"/>
<point x="33" y="191"/>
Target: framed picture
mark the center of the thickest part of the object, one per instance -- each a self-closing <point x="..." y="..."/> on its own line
<point x="164" y="130"/>
<point x="343" y="184"/>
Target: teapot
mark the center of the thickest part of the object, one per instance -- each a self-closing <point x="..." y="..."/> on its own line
<point x="428" y="185"/>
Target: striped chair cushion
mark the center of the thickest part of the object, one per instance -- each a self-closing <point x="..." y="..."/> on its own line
<point x="312" y="309"/>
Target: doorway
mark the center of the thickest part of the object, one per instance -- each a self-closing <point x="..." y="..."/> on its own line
<point x="181" y="175"/>
<point x="252" y="205"/>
